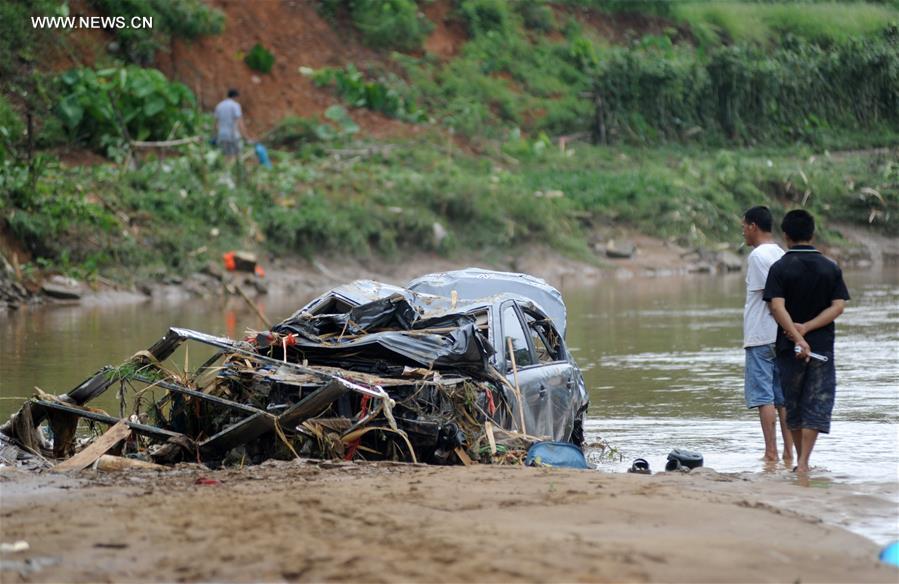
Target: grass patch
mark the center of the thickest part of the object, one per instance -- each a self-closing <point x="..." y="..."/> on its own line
<point x="767" y="23"/>
<point x="176" y="214"/>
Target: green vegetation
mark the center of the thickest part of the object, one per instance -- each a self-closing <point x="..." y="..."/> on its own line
<point x="19" y="42"/>
<point x="186" y="19"/>
<point x="11" y="129"/>
<point x="307" y="136"/>
<point x="768" y="23"/>
<point x="393" y="24"/>
<point x="698" y="126"/>
<point x="798" y="92"/>
<point x="175" y="214"/>
<point x="260" y="59"/>
<point x="502" y="81"/>
<point x="386" y="24"/>
<point x="378" y="96"/>
<point x="845" y="94"/>
<point x="487" y="17"/>
<point x="107" y="108"/>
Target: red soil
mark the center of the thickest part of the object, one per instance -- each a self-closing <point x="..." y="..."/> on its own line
<point x="448" y="35"/>
<point x="298" y="37"/>
<point x="295" y="33"/>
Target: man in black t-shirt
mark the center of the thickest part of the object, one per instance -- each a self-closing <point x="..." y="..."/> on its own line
<point x="806" y="293"/>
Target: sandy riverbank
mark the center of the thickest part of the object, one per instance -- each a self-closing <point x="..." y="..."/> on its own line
<point x="376" y="523"/>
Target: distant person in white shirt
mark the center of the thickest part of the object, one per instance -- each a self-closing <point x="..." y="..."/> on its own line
<point x="761" y="379"/>
<point x="229" y="125"/>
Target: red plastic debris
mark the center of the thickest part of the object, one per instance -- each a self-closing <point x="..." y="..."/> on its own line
<point x="230" y="262"/>
<point x="207" y="481"/>
<point x="491" y="406"/>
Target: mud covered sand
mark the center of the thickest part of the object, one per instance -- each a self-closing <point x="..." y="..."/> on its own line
<point x="383" y="522"/>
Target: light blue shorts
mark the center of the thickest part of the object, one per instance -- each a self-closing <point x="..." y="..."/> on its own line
<point x="761" y="383"/>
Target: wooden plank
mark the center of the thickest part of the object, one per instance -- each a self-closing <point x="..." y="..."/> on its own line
<point x="463" y="456"/>
<point x="488" y="428"/>
<point x="120" y="431"/>
<point x="109" y="463"/>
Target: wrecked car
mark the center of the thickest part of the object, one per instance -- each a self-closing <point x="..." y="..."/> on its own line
<point x="459" y="366"/>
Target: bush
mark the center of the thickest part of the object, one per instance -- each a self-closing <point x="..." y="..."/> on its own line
<point x="374" y="95"/>
<point x="536" y="15"/>
<point x="19" y="42"/>
<point x="798" y="92"/>
<point x="393" y="24"/>
<point x="188" y="19"/>
<point x="11" y="128"/>
<point x="484" y="17"/>
<point x="260" y="59"/>
<point x="767" y="23"/>
<point x="98" y="106"/>
<point x="293" y="132"/>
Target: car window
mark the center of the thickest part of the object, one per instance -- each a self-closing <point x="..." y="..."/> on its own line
<point x="512" y="330"/>
<point x="546" y="341"/>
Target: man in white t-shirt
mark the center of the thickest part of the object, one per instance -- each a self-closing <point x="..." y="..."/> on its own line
<point x="229" y="124"/>
<point x="762" y="387"/>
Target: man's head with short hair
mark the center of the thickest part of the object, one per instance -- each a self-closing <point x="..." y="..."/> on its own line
<point x="757" y="225"/>
<point x="798" y="225"/>
<point x="232" y="93"/>
<point x="760" y="216"/>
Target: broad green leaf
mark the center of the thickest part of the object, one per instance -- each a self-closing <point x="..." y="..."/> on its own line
<point x="70" y="111"/>
<point x="154" y="105"/>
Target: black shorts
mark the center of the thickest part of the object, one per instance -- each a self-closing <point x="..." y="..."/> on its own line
<point x="809" y="391"/>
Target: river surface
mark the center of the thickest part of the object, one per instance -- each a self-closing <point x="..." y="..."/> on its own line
<point x="662" y="359"/>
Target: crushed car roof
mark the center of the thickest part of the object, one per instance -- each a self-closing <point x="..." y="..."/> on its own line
<point x="472" y="283"/>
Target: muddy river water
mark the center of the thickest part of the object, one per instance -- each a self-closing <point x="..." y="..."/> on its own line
<point x="662" y="359"/>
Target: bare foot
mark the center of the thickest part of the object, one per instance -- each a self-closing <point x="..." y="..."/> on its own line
<point x="801" y="469"/>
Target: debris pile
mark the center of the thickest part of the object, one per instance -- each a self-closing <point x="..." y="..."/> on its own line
<point x="407" y="376"/>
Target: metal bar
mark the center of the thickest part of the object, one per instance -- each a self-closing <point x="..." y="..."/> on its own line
<point x="92" y="386"/>
<point x="239" y="433"/>
<point x="312" y="405"/>
<point x="144" y="429"/>
<point x="230" y="345"/>
<point x="255" y="426"/>
<point x="199" y="395"/>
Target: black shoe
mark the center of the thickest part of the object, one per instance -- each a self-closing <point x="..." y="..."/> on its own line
<point x="640" y="466"/>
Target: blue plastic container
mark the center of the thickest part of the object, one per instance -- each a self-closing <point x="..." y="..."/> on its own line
<point x="890" y="554"/>
<point x="262" y="155"/>
<point x="557" y="454"/>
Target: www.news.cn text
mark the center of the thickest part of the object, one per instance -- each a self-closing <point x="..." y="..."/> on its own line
<point x="91" y="22"/>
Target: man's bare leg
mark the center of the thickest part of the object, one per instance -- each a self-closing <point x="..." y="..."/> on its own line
<point x="785" y="432"/>
<point x="768" y="418"/>
<point x="797" y="441"/>
<point x="808" y="439"/>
